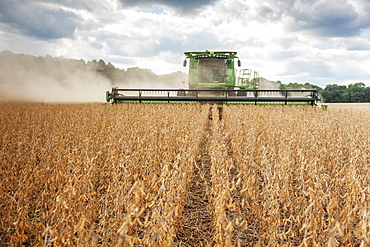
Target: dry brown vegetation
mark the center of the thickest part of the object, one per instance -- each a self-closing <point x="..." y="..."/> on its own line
<point x="167" y="175"/>
<point x="365" y="107"/>
<point x="304" y="175"/>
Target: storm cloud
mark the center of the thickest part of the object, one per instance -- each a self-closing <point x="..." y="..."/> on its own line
<point x="189" y="6"/>
<point x="286" y="40"/>
<point x="329" y="18"/>
<point x="334" y="18"/>
<point x="38" y="19"/>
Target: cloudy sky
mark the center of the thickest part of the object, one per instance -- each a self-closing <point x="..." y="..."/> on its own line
<point x="317" y="41"/>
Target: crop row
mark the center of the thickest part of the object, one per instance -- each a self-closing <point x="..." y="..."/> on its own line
<point x="86" y="174"/>
<point x="122" y="175"/>
<point x="304" y="176"/>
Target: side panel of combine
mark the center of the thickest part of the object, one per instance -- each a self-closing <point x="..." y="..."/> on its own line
<point x="230" y="72"/>
<point x="193" y="73"/>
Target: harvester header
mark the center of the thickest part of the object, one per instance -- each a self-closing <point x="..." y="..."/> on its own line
<point x="213" y="78"/>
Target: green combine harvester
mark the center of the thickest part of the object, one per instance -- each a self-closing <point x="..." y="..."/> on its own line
<point x="213" y="79"/>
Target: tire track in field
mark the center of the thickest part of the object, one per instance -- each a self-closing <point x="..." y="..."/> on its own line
<point x="196" y="228"/>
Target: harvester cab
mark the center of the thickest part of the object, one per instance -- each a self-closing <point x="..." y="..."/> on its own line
<point x="213" y="70"/>
<point x="217" y="70"/>
<point x="212" y="79"/>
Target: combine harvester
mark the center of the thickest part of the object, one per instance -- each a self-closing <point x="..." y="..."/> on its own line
<point x="213" y="79"/>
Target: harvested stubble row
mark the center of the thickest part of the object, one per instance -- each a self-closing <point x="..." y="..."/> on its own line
<point x="302" y="176"/>
<point x="95" y="175"/>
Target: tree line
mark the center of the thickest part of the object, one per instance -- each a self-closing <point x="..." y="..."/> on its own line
<point x="356" y="92"/>
<point x="135" y="75"/>
<point x="333" y="93"/>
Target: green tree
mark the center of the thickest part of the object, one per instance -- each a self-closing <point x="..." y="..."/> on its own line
<point x="334" y="93"/>
<point x="356" y="92"/>
<point x="367" y="94"/>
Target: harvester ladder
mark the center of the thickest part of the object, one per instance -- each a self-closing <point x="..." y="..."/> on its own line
<point x="244" y="77"/>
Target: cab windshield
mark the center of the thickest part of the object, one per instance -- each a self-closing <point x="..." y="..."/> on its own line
<point x="211" y="70"/>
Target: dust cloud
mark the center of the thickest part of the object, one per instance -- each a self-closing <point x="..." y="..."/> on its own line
<point x="48" y="79"/>
<point x="265" y="84"/>
<point x="28" y="86"/>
